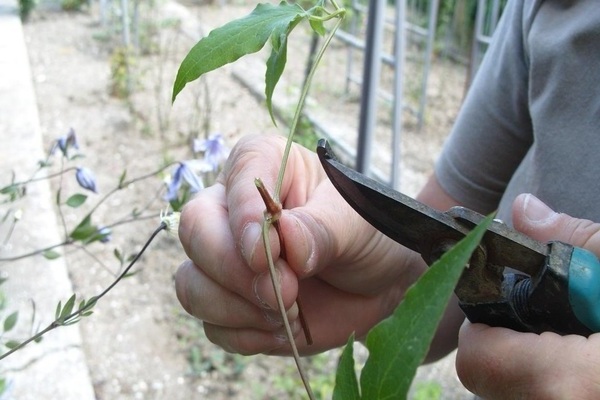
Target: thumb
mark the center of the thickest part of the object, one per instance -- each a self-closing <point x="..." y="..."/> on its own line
<point x="535" y="219"/>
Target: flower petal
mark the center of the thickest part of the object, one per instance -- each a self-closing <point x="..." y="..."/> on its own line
<point x="86" y="179"/>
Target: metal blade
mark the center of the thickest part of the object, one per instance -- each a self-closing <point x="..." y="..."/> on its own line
<point x="403" y="219"/>
<point x="425" y="229"/>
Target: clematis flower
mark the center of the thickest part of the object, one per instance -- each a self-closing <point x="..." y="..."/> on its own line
<point x="65" y="142"/>
<point x="105" y="234"/>
<point x="214" y="149"/>
<point x="171" y="221"/>
<point x="86" y="179"/>
<point x="183" y="173"/>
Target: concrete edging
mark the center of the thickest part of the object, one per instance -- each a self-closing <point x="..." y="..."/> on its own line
<point x="56" y="367"/>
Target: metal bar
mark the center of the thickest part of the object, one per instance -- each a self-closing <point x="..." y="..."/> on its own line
<point x="371" y="74"/>
<point x="400" y="56"/>
<point x="433" y="10"/>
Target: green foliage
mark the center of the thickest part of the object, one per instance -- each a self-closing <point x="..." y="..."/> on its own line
<point x="73" y="5"/>
<point x="399" y="344"/>
<point x="346" y="384"/>
<point x="122" y="62"/>
<point x="51" y="254"/>
<point x="76" y="200"/>
<point x="10" y="321"/>
<point x="25" y="8"/>
<point x="244" y="36"/>
<point x="428" y="391"/>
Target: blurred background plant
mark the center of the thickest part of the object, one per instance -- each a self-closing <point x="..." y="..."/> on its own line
<point x="25" y="8"/>
<point x="175" y="183"/>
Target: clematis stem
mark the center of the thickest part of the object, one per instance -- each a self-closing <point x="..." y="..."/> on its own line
<point x="272" y="214"/>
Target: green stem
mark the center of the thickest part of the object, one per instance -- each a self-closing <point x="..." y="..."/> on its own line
<point x="71" y="318"/>
<point x="300" y="106"/>
<point x="40" y="178"/>
<point x="35" y="252"/>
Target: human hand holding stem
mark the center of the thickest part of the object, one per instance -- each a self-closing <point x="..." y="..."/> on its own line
<point x="273" y="213"/>
<point x="272" y="23"/>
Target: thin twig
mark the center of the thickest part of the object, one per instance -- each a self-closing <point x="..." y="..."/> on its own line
<point x="281" y="306"/>
<point x="273" y="214"/>
<point x="61" y="321"/>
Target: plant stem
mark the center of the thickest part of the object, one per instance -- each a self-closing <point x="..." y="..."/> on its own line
<point x="35" y="252"/>
<point x="300" y="107"/>
<point x="275" y="205"/>
<point x="281" y="306"/>
<point x="73" y="316"/>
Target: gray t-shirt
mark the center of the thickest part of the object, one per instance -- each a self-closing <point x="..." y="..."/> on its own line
<point x="531" y="120"/>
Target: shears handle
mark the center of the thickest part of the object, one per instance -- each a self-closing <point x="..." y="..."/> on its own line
<point x="563" y="298"/>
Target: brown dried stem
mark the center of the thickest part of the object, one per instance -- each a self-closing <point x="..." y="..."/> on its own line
<point x="272" y="214"/>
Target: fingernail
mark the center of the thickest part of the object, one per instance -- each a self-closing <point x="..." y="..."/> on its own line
<point x="250" y="236"/>
<point x="537" y="211"/>
<point x="281" y="334"/>
<point x="273" y="317"/>
<point x="262" y="283"/>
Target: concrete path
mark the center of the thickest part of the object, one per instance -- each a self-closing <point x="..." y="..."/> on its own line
<point x="33" y="373"/>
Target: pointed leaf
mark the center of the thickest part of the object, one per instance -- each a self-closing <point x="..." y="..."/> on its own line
<point x="76" y="200"/>
<point x="346" y="384"/>
<point x="11" y="344"/>
<point x="51" y="254"/>
<point x="83" y="230"/>
<point x="235" y="39"/>
<point x="68" y="308"/>
<point x="276" y="61"/>
<point x="399" y="344"/>
<point x="11" y="321"/>
<point x="122" y="178"/>
<point x="58" y="310"/>
<point x="318" y="27"/>
<point x="275" y="67"/>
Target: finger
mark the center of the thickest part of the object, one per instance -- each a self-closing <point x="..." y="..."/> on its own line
<point x="499" y="363"/>
<point x="249" y="341"/>
<point x="203" y="298"/>
<point x="534" y="218"/>
<point x="206" y="237"/>
<point x="333" y="315"/>
<point x="253" y="157"/>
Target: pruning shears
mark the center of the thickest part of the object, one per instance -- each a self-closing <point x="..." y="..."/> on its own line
<point x="512" y="280"/>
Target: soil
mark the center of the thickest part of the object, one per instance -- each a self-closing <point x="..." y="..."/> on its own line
<point x="139" y="342"/>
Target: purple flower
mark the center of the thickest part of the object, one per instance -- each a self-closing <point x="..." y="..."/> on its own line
<point x="105" y="234"/>
<point x="65" y="142"/>
<point x="183" y="173"/>
<point x="86" y="179"/>
<point x="214" y="149"/>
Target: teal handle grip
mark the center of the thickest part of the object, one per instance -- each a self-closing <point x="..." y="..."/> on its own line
<point x="584" y="287"/>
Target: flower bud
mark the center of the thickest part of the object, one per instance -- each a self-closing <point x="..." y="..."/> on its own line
<point x="86" y="179"/>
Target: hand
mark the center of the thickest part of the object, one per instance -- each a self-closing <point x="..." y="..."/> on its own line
<point x="349" y="275"/>
<point x="499" y="363"/>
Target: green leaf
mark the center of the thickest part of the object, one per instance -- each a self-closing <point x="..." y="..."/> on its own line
<point x="85" y="230"/>
<point x="58" y="309"/>
<point x="346" y="384"/>
<point x="399" y="344"/>
<point x="10" y="189"/>
<point x="276" y="61"/>
<point x="122" y="178"/>
<point x="51" y="254"/>
<point x="318" y="27"/>
<point x="236" y="39"/>
<point x="11" y="321"/>
<point x="11" y="344"/>
<point x="67" y="309"/>
<point x="76" y="200"/>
